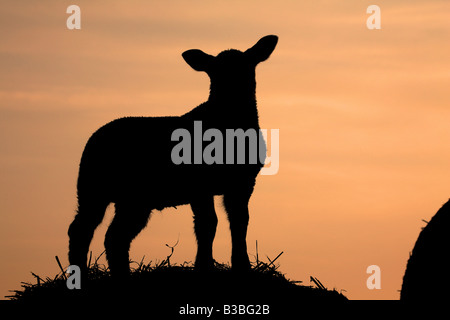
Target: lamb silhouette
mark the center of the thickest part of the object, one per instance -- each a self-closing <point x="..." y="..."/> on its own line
<point x="128" y="162"/>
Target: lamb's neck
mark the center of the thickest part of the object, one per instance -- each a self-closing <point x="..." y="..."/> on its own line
<point x="233" y="99"/>
<point x="234" y="106"/>
<point x="236" y="115"/>
<point x="242" y="93"/>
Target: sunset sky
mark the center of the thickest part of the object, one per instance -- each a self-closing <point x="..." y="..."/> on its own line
<point x="363" y="116"/>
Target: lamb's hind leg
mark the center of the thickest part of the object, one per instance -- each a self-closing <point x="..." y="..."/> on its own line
<point x="129" y="220"/>
<point x="236" y="205"/>
<point x="205" y="223"/>
<point x="90" y="215"/>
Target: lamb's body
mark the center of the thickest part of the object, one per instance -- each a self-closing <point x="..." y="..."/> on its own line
<point x="131" y="157"/>
<point x="128" y="162"/>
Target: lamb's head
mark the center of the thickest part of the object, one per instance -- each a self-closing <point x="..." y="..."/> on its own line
<point x="232" y="70"/>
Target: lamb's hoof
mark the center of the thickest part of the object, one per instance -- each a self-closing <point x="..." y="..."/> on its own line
<point x="120" y="276"/>
<point x="204" y="266"/>
<point x="241" y="266"/>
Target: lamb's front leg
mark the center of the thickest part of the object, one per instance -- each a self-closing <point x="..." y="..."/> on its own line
<point x="205" y="223"/>
<point x="236" y="205"/>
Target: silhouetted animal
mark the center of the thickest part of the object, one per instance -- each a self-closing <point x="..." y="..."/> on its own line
<point x="426" y="276"/>
<point x="128" y="162"/>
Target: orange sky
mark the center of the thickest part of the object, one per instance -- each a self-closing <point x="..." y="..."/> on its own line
<point x="363" y="118"/>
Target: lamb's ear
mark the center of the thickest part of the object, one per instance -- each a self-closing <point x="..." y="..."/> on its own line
<point x="197" y="59"/>
<point x="263" y="48"/>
